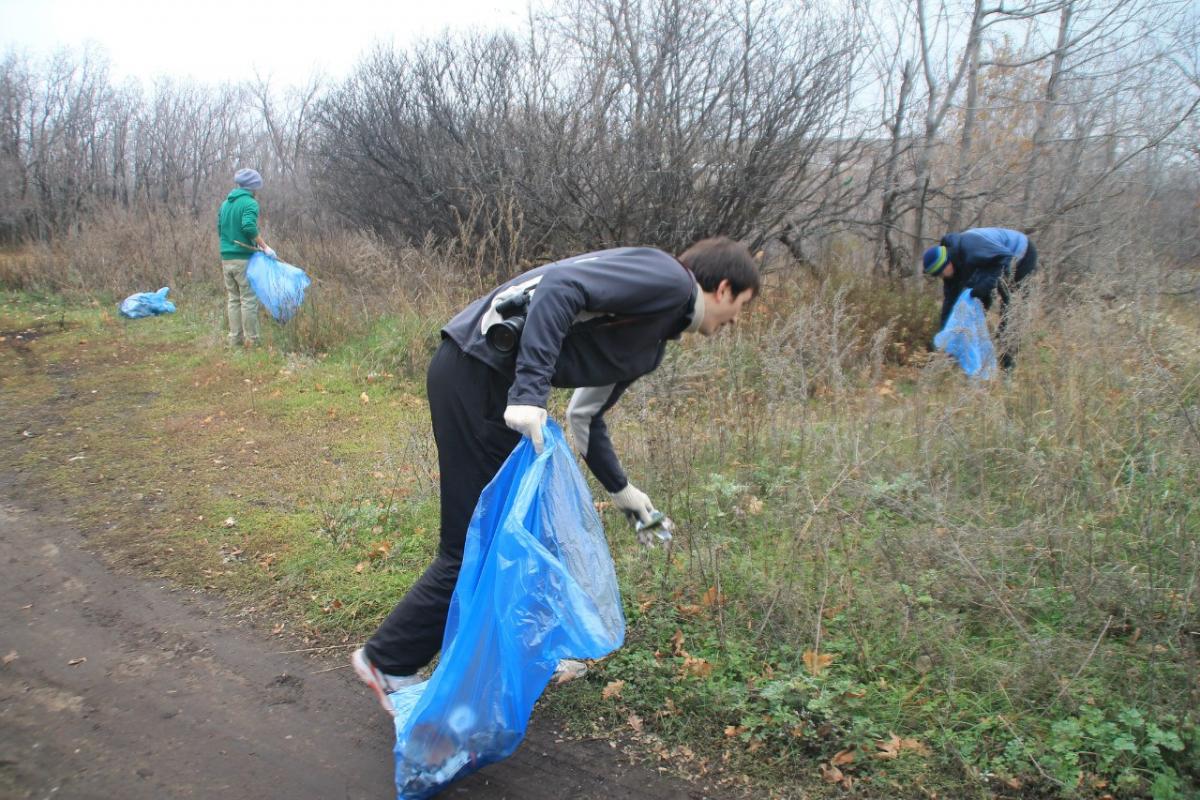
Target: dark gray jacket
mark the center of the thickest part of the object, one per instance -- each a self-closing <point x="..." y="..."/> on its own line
<point x="596" y="322"/>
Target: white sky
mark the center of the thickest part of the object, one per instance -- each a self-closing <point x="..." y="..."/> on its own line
<point x="287" y="40"/>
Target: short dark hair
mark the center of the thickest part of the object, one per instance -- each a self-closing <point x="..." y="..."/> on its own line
<point x="721" y="258"/>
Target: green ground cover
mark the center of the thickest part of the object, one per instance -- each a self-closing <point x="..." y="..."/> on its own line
<point x="885" y="583"/>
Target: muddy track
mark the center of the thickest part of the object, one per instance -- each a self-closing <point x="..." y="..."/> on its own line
<point x="113" y="686"/>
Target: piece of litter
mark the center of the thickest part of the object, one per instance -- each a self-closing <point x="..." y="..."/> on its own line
<point x="74" y="662"/>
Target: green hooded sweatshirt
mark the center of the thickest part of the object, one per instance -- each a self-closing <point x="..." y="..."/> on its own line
<point x="237" y="220"/>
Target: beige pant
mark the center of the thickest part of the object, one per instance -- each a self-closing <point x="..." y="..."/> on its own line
<point x="241" y="305"/>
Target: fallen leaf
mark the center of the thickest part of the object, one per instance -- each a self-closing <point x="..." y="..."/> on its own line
<point x="11" y="657"/>
<point x="831" y="612"/>
<point x="892" y="747"/>
<point x="888" y="749"/>
<point x="360" y="566"/>
<point x="364" y="397"/>
<point x="817" y="662"/>
<point x="677" y="643"/>
<point x="754" y="506"/>
<point x="229" y="522"/>
<point x="74" y="662"/>
<point x="831" y="774"/>
<point x="635" y="722"/>
<point x="613" y="689"/>
<point x="697" y="667"/>
<point x="843" y="757"/>
<point x="734" y="730"/>
<point x="710" y="597"/>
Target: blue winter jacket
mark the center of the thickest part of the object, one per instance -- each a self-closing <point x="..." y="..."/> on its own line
<point x="981" y="256"/>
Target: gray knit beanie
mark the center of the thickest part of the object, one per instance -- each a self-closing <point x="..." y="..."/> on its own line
<point x="248" y="179"/>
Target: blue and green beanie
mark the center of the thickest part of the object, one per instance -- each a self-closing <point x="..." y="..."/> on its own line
<point x="935" y="259"/>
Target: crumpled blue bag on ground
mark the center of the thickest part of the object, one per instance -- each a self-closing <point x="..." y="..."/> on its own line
<point x="147" y="304"/>
<point x="537" y="585"/>
<point x="965" y="336"/>
<point x="277" y="285"/>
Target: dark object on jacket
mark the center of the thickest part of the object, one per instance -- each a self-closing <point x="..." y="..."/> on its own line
<point x="982" y="257"/>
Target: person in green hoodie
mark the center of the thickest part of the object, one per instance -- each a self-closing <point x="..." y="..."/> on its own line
<point x="237" y="227"/>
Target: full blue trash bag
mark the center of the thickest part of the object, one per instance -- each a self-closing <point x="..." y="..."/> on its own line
<point x="277" y="285"/>
<point x="965" y="337"/>
<point x="537" y="585"/>
<point x="147" y="304"/>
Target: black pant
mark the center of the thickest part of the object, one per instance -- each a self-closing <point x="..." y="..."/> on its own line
<point x="466" y="402"/>
<point x="1009" y="284"/>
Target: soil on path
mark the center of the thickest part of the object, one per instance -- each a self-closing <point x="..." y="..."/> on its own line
<point x="115" y="687"/>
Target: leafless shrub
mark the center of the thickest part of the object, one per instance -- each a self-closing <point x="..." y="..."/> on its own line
<point x="616" y="123"/>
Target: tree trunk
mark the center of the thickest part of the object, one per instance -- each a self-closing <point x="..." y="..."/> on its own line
<point x="1046" y="110"/>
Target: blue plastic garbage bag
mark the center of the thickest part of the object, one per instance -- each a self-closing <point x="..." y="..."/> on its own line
<point x="965" y="337"/>
<point x="537" y="585"/>
<point x="277" y="285"/>
<point x="147" y="304"/>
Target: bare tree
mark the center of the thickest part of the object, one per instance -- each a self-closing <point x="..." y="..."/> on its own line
<point x="654" y="121"/>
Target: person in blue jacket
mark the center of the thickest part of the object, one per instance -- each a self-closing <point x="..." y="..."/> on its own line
<point x="596" y="323"/>
<point x="984" y="260"/>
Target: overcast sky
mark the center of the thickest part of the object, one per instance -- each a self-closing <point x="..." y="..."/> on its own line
<point x="285" y="39"/>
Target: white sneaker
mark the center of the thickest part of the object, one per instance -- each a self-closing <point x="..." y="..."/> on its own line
<point x="381" y="683"/>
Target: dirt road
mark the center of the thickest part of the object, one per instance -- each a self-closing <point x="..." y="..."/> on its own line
<point x="114" y="687"/>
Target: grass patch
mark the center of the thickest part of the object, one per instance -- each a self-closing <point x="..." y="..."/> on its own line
<point x="885" y="581"/>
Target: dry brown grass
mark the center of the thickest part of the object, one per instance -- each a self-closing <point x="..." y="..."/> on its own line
<point x="1021" y="550"/>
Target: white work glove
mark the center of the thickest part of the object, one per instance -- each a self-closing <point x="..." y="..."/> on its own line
<point x="634" y="502"/>
<point x="269" y="252"/>
<point x="527" y="421"/>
